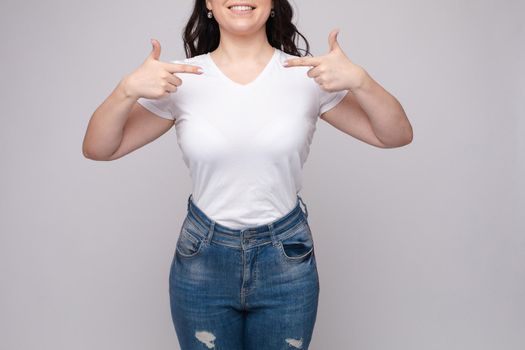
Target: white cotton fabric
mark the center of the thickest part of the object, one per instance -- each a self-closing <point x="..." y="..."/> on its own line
<point x="245" y="145"/>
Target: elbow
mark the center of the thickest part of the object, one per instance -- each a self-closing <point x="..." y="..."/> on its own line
<point x="91" y="151"/>
<point x="409" y="137"/>
<point x="405" y="136"/>
<point x="406" y="140"/>
<point x="403" y="142"/>
<point x="86" y="152"/>
<point x="92" y="155"/>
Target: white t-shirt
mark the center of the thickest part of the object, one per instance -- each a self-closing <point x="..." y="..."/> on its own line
<point x="245" y="145"/>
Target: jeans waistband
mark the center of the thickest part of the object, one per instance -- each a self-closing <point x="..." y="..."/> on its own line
<point x="276" y="229"/>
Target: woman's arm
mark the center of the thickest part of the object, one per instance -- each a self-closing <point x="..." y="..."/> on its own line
<point x="368" y="111"/>
<point x="371" y="114"/>
<point x="120" y="125"/>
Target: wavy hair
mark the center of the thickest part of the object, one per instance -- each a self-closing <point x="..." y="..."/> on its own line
<point x="202" y="34"/>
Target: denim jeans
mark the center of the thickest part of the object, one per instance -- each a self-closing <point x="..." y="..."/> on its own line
<point x="255" y="288"/>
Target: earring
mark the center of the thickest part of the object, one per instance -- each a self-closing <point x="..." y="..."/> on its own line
<point x="210" y="15"/>
<point x="272" y="13"/>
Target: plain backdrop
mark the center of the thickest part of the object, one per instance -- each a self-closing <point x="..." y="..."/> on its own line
<point x="418" y="247"/>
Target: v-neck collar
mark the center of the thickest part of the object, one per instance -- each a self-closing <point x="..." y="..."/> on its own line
<point x="259" y="77"/>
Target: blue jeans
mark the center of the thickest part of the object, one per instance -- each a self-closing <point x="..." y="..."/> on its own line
<point x="255" y="288"/>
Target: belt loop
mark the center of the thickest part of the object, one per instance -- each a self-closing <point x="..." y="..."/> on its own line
<point x="210" y="232"/>
<point x="272" y="234"/>
<point x="305" y="207"/>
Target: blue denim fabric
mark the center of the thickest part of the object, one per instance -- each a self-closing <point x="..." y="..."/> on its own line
<point x="255" y="288"/>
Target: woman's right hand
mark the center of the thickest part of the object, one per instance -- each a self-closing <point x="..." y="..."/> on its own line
<point x="155" y="79"/>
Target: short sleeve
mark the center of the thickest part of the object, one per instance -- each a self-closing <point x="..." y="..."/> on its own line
<point x="163" y="107"/>
<point x="330" y="99"/>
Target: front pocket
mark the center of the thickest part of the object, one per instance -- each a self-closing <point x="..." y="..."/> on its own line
<point x="189" y="243"/>
<point x="299" y="246"/>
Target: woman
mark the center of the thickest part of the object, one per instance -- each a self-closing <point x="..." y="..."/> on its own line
<point x="244" y="274"/>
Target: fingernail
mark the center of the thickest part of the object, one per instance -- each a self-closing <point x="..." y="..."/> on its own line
<point x="285" y="63"/>
<point x="200" y="70"/>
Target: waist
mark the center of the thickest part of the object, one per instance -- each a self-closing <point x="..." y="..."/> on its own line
<point x="279" y="228"/>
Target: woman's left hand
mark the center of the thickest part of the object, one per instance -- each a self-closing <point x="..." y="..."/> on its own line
<point x="333" y="71"/>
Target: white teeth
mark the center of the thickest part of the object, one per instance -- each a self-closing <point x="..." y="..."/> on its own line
<point x="241" y="8"/>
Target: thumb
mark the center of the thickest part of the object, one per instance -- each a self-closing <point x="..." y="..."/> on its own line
<point x="155" y="52"/>
<point x="332" y="40"/>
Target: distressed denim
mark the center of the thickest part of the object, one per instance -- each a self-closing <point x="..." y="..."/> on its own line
<point x="255" y="288"/>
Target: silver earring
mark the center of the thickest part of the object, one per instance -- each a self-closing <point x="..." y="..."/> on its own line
<point x="272" y="13"/>
<point x="210" y="15"/>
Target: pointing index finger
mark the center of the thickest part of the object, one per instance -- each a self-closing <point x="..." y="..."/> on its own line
<point x="302" y="61"/>
<point x="176" y="67"/>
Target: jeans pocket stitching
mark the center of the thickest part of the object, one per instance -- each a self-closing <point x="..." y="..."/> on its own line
<point x="191" y="236"/>
<point x="292" y="231"/>
<point x="299" y="257"/>
<point x="294" y="258"/>
<point x="186" y="234"/>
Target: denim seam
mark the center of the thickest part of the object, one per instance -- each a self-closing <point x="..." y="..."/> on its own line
<point x="256" y="268"/>
<point x="282" y="236"/>
<point x="294" y="258"/>
<point x="290" y="232"/>
<point x="186" y="256"/>
<point x="190" y="236"/>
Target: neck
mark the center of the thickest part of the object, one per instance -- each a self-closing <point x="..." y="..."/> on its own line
<point x="235" y="48"/>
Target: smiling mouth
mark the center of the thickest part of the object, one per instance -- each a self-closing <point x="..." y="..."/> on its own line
<point x="241" y="8"/>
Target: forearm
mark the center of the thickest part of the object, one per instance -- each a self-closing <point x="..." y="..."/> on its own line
<point x="386" y="114"/>
<point x="105" y="128"/>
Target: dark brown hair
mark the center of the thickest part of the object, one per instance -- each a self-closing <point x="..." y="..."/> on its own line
<point x="202" y="34"/>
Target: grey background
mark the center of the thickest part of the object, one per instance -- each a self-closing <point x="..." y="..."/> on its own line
<point x="419" y="247"/>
